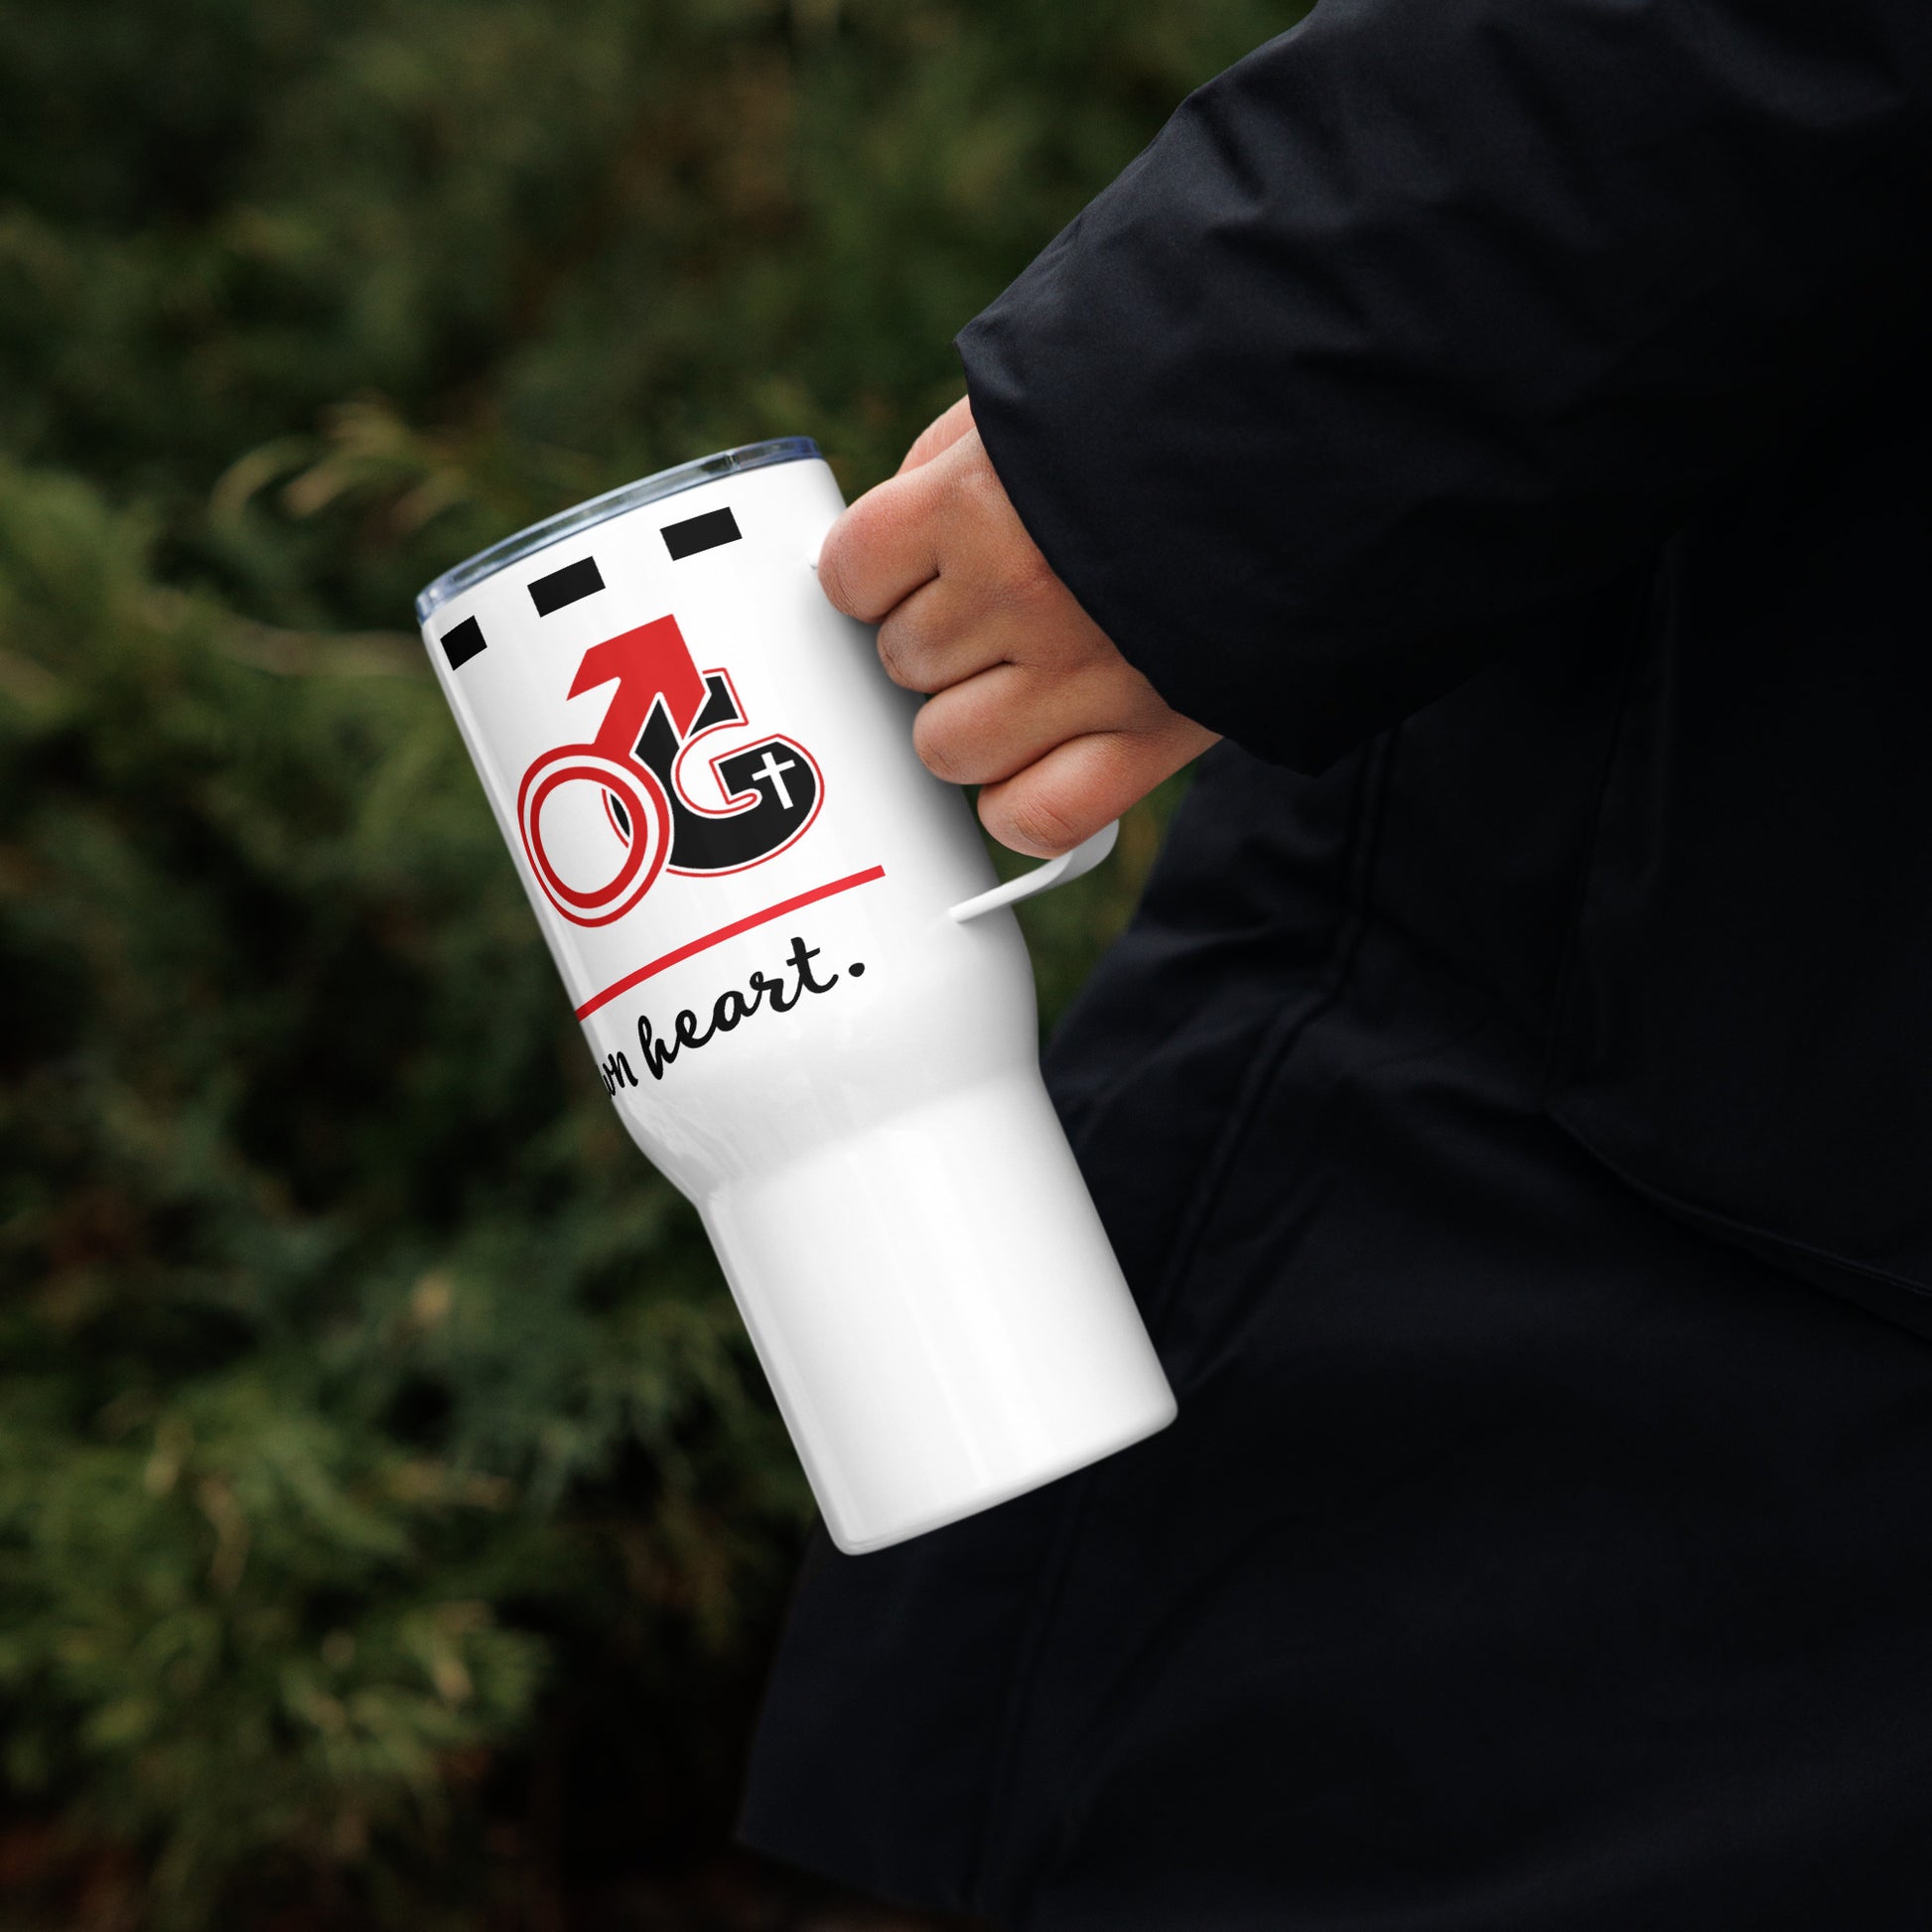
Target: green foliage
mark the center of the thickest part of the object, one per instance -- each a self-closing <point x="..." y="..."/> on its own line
<point x="393" y="1521"/>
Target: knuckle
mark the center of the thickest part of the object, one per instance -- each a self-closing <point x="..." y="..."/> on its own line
<point x="1041" y="821"/>
<point x="835" y="571"/>
<point x="902" y="650"/>
<point x="1028" y="592"/>
<point x="851" y="556"/>
<point x="1029" y="572"/>
<point x="1022" y="563"/>
<point x="941" y="748"/>
<point x="980" y="480"/>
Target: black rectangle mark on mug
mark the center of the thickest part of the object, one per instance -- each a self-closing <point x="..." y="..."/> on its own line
<point x="697" y="533"/>
<point x="462" y="641"/>
<point x="565" y="586"/>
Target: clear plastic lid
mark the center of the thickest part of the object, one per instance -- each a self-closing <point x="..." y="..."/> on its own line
<point x="614" y="503"/>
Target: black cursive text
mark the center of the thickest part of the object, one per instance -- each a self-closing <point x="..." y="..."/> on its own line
<point x="729" y="1011"/>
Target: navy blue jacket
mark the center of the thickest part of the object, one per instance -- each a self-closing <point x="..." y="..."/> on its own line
<point x="1509" y="422"/>
<point x="1433" y="348"/>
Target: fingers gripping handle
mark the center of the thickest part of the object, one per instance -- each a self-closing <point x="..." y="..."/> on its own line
<point x="1044" y="878"/>
<point x="1056" y="871"/>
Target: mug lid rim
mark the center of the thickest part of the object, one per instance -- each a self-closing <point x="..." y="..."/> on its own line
<point x="598" y="509"/>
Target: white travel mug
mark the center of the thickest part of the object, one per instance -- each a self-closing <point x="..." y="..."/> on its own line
<point x="800" y="983"/>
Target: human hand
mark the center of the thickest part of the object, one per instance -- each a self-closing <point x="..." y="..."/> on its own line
<point x="1029" y="700"/>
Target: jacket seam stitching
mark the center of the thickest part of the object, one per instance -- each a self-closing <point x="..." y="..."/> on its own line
<point x="1363" y="842"/>
<point x="1683" y="1207"/>
<point x="1281" y="1038"/>
<point x="1568" y="963"/>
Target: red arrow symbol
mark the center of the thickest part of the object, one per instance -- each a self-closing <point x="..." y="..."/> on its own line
<point x="647" y="663"/>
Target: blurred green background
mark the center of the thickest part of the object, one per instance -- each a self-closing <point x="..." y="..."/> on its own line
<point x="393" y="1525"/>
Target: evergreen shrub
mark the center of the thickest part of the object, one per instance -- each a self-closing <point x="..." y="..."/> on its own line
<point x="393" y="1525"/>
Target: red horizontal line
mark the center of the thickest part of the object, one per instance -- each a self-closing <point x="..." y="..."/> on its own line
<point x="724" y="932"/>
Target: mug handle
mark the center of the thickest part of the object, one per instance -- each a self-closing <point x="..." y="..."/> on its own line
<point x="1044" y="878"/>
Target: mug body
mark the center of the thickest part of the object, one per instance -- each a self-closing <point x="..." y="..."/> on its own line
<point x="744" y="873"/>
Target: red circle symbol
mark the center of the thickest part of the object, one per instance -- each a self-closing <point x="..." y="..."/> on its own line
<point x="639" y="858"/>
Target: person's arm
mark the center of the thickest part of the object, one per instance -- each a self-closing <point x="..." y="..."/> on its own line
<point x="1426" y="317"/>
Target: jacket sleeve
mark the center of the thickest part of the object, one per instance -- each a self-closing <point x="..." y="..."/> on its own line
<point x="1433" y="315"/>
